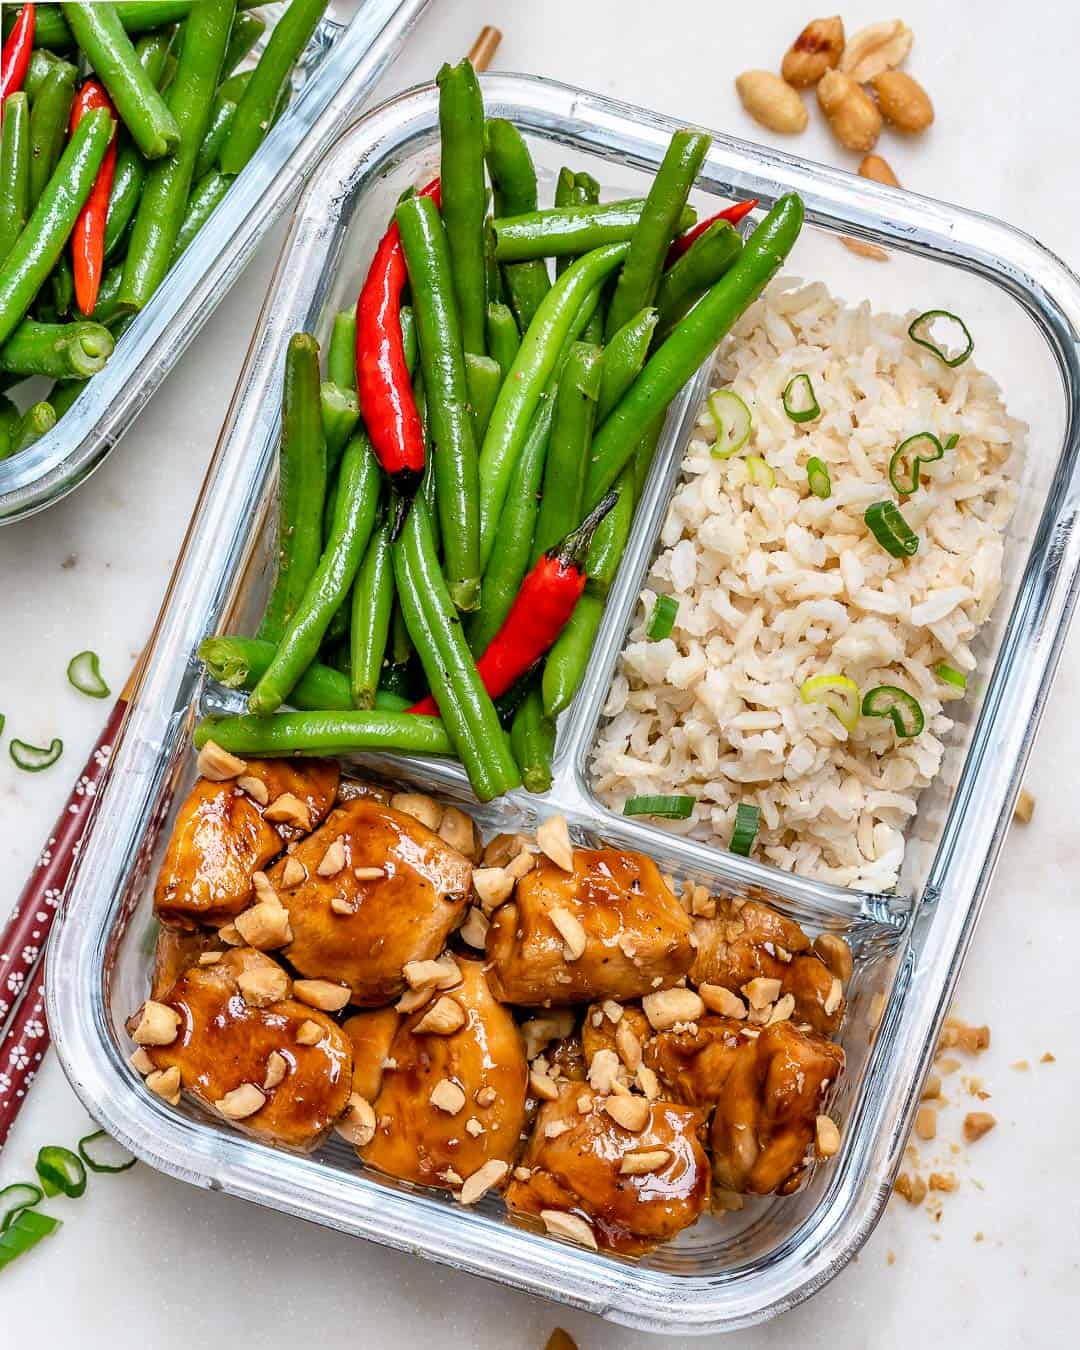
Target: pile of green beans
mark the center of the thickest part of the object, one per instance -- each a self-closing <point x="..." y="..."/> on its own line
<point x="184" y="122"/>
<point x="544" y="347"/>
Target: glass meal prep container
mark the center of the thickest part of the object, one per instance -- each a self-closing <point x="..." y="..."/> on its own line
<point x="727" y="1271"/>
<point x="343" y="60"/>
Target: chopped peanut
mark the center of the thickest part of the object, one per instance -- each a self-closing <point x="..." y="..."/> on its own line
<point x="553" y="836"/>
<point x="218" y="765"/>
<point x="443" y="1018"/>
<point x="325" y="995"/>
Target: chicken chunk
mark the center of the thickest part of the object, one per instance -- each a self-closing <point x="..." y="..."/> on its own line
<point x="221" y="837"/>
<point x="239" y="1029"/>
<point x="175" y="950"/>
<point x="451" y="1100"/>
<point x="763" y="1126"/>
<point x="370" y="1034"/>
<point x="693" y="1064"/>
<point x="749" y="940"/>
<point x="601" y="1030"/>
<point x="378" y="889"/>
<point x="583" y="1163"/>
<point x="610" y="929"/>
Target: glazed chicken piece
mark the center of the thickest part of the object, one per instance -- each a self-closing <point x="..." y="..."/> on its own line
<point x="621" y="1028"/>
<point x="371" y="889"/>
<point x="222" y="836"/>
<point x="273" y="1066"/>
<point x="749" y="940"/>
<point x="370" y="1034"/>
<point x="765" y="1117"/>
<point x="453" y="1088"/>
<point x="693" y="1065"/>
<point x="610" y="929"/>
<point x="175" y="951"/>
<point x="633" y="1187"/>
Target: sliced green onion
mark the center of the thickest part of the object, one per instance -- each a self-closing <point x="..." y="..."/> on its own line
<point x="662" y="619"/>
<point x="84" y="672"/>
<point x="838" y="693"/>
<point x="908" y="458"/>
<point x="903" y="709"/>
<point x="961" y="343"/>
<point x="817" y="475"/>
<point x="671" y="808"/>
<point x="26" y="1231"/>
<point x="947" y="675"/>
<point x="34" y="758"/>
<point x="951" y="442"/>
<point x="891" y="530"/>
<point x="761" y="474"/>
<point x="747" y="819"/>
<point x="732" y="419"/>
<point x="800" y="401"/>
<point x="61" y="1170"/>
<point x="104" y="1156"/>
<point x="15" y="1198"/>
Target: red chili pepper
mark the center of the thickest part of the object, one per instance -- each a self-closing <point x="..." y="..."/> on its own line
<point x="541" y="610"/>
<point x="383" y="387"/>
<point x="732" y="214"/>
<point x="15" y="58"/>
<point x="88" y="236"/>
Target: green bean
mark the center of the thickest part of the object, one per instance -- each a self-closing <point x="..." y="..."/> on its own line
<point x="152" y="52"/>
<point x="464" y="196"/>
<point x="326" y="733"/>
<point x="659" y="224"/>
<point x="401" y="647"/>
<point x="483" y="378"/>
<point x="687" y="280"/>
<point x="301" y="485"/>
<point x="340" y="414"/>
<point x="41" y="62"/>
<point x="108" y="48"/>
<point x="408" y="337"/>
<point x="217" y="133"/>
<point x="23" y="272"/>
<point x="341" y="358"/>
<point x="565" y="195"/>
<point x="533" y="366"/>
<point x="467" y="711"/>
<point x="624" y="355"/>
<point x="37" y="421"/>
<point x="64" y="394"/>
<point x="567" y="456"/>
<point x="503" y="337"/>
<point x="269" y="82"/>
<point x="532" y="738"/>
<point x="494" y="290"/>
<point x="247" y="29"/>
<point x="14" y="171"/>
<point x="62" y="351"/>
<point x="138" y="16"/>
<point x="571" y="230"/>
<point x="372" y="601"/>
<point x="241" y="662"/>
<point x="203" y="202"/>
<point x="587" y="193"/>
<point x="517" y="523"/>
<point x="643" y="454"/>
<point x="608" y="545"/>
<point x="354" y="520"/>
<point x="428" y="482"/>
<point x="128" y="178"/>
<point x="49" y="114"/>
<point x="168" y="184"/>
<point x="513" y="180"/>
<point x="672" y="364"/>
<point x="569" y="656"/>
<point x="443" y="363"/>
<point x="62" y="286"/>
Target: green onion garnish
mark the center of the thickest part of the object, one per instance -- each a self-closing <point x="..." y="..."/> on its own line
<point x="947" y="675"/>
<point x="951" y="442"/>
<point x="34" y="758"/>
<point x="670" y="808"/>
<point x="732" y="419"/>
<point x="903" y="709"/>
<point x="908" y="458"/>
<point x="891" y="530"/>
<point x="26" y="1231"/>
<point x="107" y="1157"/>
<point x="800" y="401"/>
<point x="14" y="1199"/>
<point x="761" y="474"/>
<point x="84" y="672"/>
<point x="60" y="1170"/>
<point x="747" y="818"/>
<point x="662" y="619"/>
<point x="961" y="343"/>
<point x="817" y="475"/>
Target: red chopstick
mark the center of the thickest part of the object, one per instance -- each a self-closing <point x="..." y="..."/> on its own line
<point x="22" y="942"/>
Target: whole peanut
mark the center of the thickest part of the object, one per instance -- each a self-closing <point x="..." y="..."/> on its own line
<point x="850" y="111"/>
<point x="880" y="170"/>
<point x="771" y="101"/>
<point x="816" y="50"/>
<point x="903" y="100"/>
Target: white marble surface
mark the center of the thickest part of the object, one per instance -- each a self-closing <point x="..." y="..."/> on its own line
<point x="145" y="1260"/>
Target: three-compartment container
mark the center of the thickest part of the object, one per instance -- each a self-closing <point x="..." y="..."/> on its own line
<point x="727" y="1271"/>
<point x="342" y="62"/>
